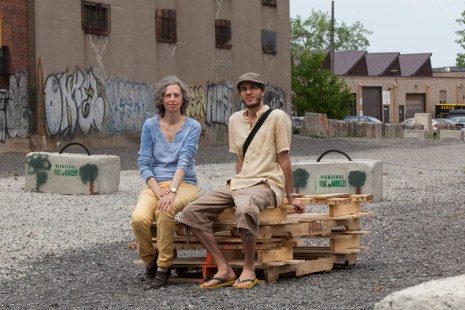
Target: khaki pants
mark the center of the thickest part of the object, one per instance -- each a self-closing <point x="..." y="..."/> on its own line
<point x="249" y="203"/>
<point x="146" y="212"/>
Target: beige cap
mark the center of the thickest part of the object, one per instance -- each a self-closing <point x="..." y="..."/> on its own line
<point x="250" y="77"/>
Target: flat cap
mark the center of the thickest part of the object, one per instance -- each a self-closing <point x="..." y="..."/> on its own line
<point x="250" y="77"/>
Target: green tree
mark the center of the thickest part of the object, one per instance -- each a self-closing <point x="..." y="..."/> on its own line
<point x="89" y="173"/>
<point x="460" y="60"/>
<point x="314" y="33"/>
<point x="38" y="164"/>
<point x="357" y="179"/>
<point x="316" y="89"/>
<point x="300" y="177"/>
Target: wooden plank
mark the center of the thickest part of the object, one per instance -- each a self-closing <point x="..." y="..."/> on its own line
<point x="338" y="243"/>
<point x="268" y="256"/>
<point x="345" y="209"/>
<point x="324" y="264"/>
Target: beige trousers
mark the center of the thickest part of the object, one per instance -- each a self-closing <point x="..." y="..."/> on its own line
<point x="146" y="212"/>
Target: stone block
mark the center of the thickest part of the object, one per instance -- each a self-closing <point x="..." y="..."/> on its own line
<point x="339" y="176"/>
<point x="447" y="293"/>
<point x="451" y="135"/>
<point x="72" y="173"/>
<point x="415" y="134"/>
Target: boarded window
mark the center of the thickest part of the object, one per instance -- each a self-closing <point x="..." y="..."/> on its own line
<point x="223" y="33"/>
<point x="269" y="2"/>
<point x="6" y="67"/>
<point x="95" y="17"/>
<point x="166" y="25"/>
<point x="269" y="42"/>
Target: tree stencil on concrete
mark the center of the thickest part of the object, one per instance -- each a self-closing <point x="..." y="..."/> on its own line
<point x="300" y="177"/>
<point x="89" y="174"/>
<point x="357" y="179"/>
<point x="38" y="164"/>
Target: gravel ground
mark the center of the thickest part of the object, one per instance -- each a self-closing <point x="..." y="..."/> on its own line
<point x="70" y="252"/>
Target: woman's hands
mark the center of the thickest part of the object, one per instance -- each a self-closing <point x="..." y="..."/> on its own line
<point x="165" y="198"/>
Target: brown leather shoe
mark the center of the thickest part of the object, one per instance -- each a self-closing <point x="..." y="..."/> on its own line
<point x="150" y="272"/>
<point x="161" y="278"/>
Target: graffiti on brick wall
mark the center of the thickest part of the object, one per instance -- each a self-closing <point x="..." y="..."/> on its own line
<point x="275" y="98"/>
<point x="73" y="100"/>
<point x="14" y="113"/>
<point x="219" y="103"/>
<point x="129" y="104"/>
<point x="198" y="106"/>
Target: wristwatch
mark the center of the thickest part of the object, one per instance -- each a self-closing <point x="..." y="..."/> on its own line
<point x="173" y="189"/>
<point x="291" y="195"/>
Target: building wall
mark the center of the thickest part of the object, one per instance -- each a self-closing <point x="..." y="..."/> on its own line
<point x="398" y="89"/>
<point x="98" y="89"/>
<point x="14" y="109"/>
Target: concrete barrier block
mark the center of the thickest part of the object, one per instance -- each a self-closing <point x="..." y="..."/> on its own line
<point x="425" y="120"/>
<point x="315" y="125"/>
<point x="72" y="173"/>
<point x="340" y="176"/>
<point x="451" y="135"/>
<point x="415" y="134"/>
<point x="394" y="131"/>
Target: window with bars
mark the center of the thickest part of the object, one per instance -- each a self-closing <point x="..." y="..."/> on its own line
<point x="269" y="2"/>
<point x="223" y="33"/>
<point x="6" y="68"/>
<point x="269" y="42"/>
<point x="95" y="17"/>
<point x="166" y="25"/>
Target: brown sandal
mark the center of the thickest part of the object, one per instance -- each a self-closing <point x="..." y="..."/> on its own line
<point x="161" y="278"/>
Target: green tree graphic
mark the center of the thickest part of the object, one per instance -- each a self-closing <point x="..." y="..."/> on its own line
<point x="89" y="173"/>
<point x="357" y="179"/>
<point x="300" y="177"/>
<point x="38" y="164"/>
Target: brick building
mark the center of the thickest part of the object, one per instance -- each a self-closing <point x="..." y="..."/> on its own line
<point x="87" y="69"/>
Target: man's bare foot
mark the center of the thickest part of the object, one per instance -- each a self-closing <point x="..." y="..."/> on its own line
<point x="220" y="279"/>
<point x="241" y="282"/>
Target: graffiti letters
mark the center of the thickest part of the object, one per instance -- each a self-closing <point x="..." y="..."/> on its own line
<point x="14" y="114"/>
<point x="219" y="103"/>
<point x="130" y="104"/>
<point x="71" y="100"/>
<point x="198" y="105"/>
<point x="275" y="98"/>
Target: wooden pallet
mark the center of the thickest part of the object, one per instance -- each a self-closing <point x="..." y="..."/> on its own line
<point x="281" y="240"/>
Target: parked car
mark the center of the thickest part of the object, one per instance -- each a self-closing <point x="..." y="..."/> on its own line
<point x="362" y="119"/>
<point x="459" y="121"/>
<point x="456" y="113"/>
<point x="445" y="122"/>
<point x="435" y="123"/>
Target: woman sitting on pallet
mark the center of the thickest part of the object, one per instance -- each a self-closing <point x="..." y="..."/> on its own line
<point x="169" y="143"/>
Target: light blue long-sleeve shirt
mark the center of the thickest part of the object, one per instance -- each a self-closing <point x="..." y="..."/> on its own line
<point x="160" y="159"/>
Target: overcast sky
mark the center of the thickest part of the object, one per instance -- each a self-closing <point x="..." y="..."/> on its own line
<point x="404" y="26"/>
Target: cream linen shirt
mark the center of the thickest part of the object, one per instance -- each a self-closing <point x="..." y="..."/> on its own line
<point x="261" y="160"/>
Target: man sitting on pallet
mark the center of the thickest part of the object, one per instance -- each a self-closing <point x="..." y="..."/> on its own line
<point x="264" y="177"/>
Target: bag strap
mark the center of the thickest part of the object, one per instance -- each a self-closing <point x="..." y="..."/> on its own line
<point x="257" y="126"/>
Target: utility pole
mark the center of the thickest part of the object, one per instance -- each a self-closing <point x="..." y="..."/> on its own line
<point x="332" y="37"/>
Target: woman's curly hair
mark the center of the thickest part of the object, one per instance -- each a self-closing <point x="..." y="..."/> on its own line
<point x="160" y="90"/>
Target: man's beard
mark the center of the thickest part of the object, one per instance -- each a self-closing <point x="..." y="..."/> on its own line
<point x="253" y="105"/>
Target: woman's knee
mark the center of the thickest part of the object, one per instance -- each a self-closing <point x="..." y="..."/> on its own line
<point x="139" y="221"/>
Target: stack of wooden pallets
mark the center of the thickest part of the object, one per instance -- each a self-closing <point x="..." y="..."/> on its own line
<point x="284" y="240"/>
